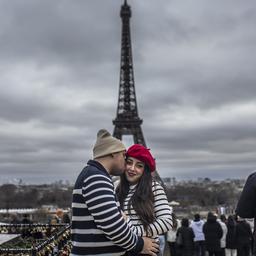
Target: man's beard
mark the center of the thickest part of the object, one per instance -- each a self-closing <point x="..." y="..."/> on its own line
<point x="116" y="172"/>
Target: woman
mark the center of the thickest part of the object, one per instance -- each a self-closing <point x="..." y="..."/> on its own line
<point x="186" y="246"/>
<point x="222" y="221"/>
<point x="141" y="198"/>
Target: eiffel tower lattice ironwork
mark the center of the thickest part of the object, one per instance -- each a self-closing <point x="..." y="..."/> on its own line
<point x="127" y="121"/>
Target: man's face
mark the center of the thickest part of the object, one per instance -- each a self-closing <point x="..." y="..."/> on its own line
<point x="118" y="163"/>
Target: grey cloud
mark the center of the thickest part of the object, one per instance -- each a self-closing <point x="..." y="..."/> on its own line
<point x="62" y="33"/>
<point x="59" y="72"/>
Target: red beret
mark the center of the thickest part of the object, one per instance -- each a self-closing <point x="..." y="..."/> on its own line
<point x="141" y="153"/>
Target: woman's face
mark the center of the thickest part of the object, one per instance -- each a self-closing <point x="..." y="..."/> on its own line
<point x="134" y="169"/>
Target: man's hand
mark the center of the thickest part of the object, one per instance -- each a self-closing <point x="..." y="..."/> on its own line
<point x="151" y="247"/>
<point x="124" y="215"/>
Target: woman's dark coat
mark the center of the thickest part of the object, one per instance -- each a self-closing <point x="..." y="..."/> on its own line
<point x="187" y="247"/>
<point x="231" y="239"/>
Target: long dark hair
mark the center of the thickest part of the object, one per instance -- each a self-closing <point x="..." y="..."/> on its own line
<point x="142" y="200"/>
<point x="185" y="222"/>
<point x="231" y="222"/>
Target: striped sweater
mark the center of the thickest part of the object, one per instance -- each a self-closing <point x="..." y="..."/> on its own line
<point x="162" y="212"/>
<point x="98" y="227"/>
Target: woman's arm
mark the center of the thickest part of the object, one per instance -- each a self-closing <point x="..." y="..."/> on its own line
<point x="162" y="211"/>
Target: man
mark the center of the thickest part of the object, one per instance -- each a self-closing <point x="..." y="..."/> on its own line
<point x="98" y="227"/>
<point x="246" y="207"/>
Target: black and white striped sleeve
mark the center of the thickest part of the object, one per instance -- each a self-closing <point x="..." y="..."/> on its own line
<point x="162" y="210"/>
<point x="98" y="192"/>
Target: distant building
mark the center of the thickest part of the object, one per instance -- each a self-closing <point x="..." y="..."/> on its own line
<point x="169" y="181"/>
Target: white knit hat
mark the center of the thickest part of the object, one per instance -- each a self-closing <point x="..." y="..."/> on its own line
<point x="106" y="144"/>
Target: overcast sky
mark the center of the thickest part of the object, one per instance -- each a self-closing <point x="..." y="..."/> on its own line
<point x="195" y="78"/>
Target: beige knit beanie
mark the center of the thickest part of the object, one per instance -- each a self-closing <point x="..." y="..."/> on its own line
<point x="106" y="144"/>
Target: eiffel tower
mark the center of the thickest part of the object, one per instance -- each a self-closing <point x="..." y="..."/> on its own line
<point x="127" y="121"/>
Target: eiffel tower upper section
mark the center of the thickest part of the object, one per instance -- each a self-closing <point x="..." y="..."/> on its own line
<point x="127" y="121"/>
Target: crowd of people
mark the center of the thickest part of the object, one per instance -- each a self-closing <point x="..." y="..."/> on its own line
<point x="231" y="236"/>
<point x="134" y="217"/>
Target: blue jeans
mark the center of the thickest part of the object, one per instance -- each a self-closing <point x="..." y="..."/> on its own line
<point x="199" y="248"/>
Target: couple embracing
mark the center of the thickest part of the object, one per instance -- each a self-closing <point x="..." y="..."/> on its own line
<point x="125" y="221"/>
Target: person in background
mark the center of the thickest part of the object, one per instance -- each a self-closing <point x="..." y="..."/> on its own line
<point x="66" y="218"/>
<point x="186" y="248"/>
<point x="143" y="199"/>
<point x="59" y="214"/>
<point x="223" y="218"/>
<point x="231" y="240"/>
<point x="223" y="225"/>
<point x="244" y="237"/>
<point x="171" y="235"/>
<point x="14" y="219"/>
<point x="57" y="218"/>
<point x="161" y="245"/>
<point x="26" y="220"/>
<point x="98" y="226"/>
<point x="213" y="233"/>
<point x="199" y="239"/>
<point x="246" y="206"/>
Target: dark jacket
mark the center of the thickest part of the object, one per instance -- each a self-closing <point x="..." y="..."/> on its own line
<point x="231" y="239"/>
<point x="243" y="233"/>
<point x="246" y="207"/>
<point x="187" y="240"/>
<point x="213" y="233"/>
